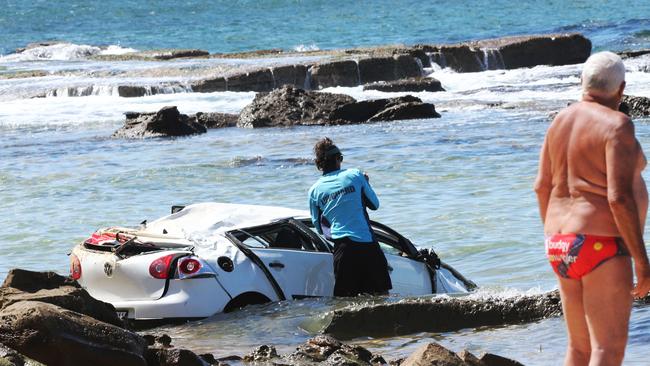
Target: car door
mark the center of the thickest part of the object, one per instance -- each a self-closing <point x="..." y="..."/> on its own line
<point x="409" y="277"/>
<point x="299" y="262"/>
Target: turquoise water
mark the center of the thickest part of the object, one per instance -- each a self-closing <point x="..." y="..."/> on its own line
<point x="461" y="184"/>
<point x="226" y="26"/>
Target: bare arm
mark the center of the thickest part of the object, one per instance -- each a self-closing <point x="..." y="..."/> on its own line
<point x="544" y="181"/>
<point x="621" y="169"/>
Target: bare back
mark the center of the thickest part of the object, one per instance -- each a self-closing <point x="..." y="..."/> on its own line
<point x="575" y="148"/>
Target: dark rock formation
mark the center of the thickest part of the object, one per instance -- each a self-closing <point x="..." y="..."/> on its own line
<point x="635" y="53"/>
<point x="404" y="111"/>
<point x="440" y="315"/>
<point x="514" y="52"/>
<point x="258" y="81"/>
<point x="332" y="352"/>
<point x="635" y="106"/>
<point x="55" y="336"/>
<point x="49" y="287"/>
<point x="215" y="120"/>
<point x="337" y="73"/>
<point x="529" y="51"/>
<point x="9" y="357"/>
<point x="407" y="85"/>
<point x="210" y="85"/>
<point x="293" y="75"/>
<point x="290" y="106"/>
<point x="263" y="353"/>
<point x="382" y="109"/>
<point x="173" y="357"/>
<point x="166" y="122"/>
<point x="376" y="69"/>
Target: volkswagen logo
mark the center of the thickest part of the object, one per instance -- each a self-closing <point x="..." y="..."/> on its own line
<point x="108" y="269"/>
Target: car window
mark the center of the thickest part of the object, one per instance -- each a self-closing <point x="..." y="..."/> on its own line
<point x="275" y="236"/>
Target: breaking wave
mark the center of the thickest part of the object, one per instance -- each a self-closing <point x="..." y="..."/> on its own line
<point x="64" y="52"/>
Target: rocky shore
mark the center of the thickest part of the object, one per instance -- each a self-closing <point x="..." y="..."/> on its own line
<point x="314" y="70"/>
<point x="50" y="319"/>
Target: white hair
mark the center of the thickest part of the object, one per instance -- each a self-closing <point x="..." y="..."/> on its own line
<point x="603" y="73"/>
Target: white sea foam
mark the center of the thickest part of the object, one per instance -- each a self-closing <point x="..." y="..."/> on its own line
<point x="109" y="108"/>
<point x="306" y="48"/>
<point x="64" y="52"/>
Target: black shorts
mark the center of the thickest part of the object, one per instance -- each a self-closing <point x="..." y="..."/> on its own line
<point x="359" y="268"/>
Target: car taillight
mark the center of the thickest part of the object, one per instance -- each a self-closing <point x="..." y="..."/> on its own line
<point x="189" y="266"/>
<point x="160" y="267"/>
<point x="75" y="267"/>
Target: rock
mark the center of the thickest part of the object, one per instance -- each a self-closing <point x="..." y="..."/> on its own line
<point x="173" y="357"/>
<point x="461" y="58"/>
<point x="169" y="54"/>
<point x="293" y="75"/>
<point x="406" y="66"/>
<point x="68" y="297"/>
<point x="635" y="106"/>
<point x="336" y="73"/>
<point x="258" y="81"/>
<point x="215" y="120"/>
<point x="404" y="111"/>
<point x="376" y="69"/>
<point x="290" y="106"/>
<point x="433" y="354"/>
<point x="358" y="112"/>
<point x="210" y="85"/>
<point x="131" y="91"/>
<point x="29" y="46"/>
<point x="9" y="357"/>
<point x="55" y="336"/>
<point x="469" y="359"/>
<point x="263" y="353"/>
<point x="30" y="281"/>
<point x="635" y="53"/>
<point x="529" y="51"/>
<point x="490" y="359"/>
<point x="406" y="107"/>
<point x="440" y="315"/>
<point x="330" y="351"/>
<point x="166" y="122"/>
<point x="407" y="85"/>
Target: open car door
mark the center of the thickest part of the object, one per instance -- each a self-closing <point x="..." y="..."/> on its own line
<point x="297" y="260"/>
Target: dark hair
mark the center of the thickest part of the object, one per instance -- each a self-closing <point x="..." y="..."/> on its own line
<point x="327" y="155"/>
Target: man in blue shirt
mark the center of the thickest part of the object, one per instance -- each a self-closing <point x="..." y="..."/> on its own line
<point x="338" y="202"/>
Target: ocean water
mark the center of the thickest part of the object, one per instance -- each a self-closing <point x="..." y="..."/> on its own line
<point x="461" y="184"/>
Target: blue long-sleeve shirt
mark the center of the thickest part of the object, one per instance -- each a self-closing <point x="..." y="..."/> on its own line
<point x="338" y="200"/>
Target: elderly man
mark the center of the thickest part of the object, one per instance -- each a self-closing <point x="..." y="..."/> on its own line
<point x="593" y="203"/>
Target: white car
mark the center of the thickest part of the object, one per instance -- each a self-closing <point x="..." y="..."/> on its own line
<point x="216" y="257"/>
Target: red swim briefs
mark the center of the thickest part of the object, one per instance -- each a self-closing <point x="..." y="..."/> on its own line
<point x="575" y="255"/>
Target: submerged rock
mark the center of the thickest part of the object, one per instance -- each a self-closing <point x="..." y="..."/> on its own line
<point x="328" y="350"/>
<point x="407" y="85"/>
<point x="166" y="122"/>
<point x="263" y="353"/>
<point x="440" y="315"/>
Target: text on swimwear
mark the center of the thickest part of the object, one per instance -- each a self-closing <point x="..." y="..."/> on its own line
<point x="332" y="196"/>
<point x="560" y="244"/>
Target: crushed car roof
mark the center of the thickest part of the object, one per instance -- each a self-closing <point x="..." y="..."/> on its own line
<point x="205" y="220"/>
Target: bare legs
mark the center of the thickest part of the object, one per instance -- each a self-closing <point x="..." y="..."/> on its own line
<point x="597" y="313"/>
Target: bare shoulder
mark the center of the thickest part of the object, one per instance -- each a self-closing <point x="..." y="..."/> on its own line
<point x="621" y="127"/>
